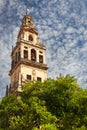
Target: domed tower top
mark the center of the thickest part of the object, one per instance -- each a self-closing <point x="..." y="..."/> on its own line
<point x="27" y="26"/>
<point x="27" y="20"/>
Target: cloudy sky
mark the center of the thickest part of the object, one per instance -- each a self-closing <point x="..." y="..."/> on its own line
<point x="62" y="27"/>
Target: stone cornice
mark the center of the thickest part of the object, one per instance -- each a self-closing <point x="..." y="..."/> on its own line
<point x="29" y="29"/>
<point x="28" y="63"/>
<point x="41" y="46"/>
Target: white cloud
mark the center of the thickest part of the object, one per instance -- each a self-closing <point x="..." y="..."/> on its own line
<point x="2" y="5"/>
<point x="70" y="30"/>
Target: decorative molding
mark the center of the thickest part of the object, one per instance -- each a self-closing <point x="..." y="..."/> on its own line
<point x="28" y="63"/>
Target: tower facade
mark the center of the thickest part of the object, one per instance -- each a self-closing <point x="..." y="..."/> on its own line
<point x="28" y="57"/>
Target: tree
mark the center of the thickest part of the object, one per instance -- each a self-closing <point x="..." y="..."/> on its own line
<point x="18" y="113"/>
<point x="58" y="104"/>
<point x="41" y="117"/>
<point x="10" y="108"/>
<point x="67" y="101"/>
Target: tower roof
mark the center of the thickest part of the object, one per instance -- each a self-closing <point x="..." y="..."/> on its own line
<point x="27" y="20"/>
<point x="27" y="25"/>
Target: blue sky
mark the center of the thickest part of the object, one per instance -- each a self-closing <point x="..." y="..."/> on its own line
<point x="62" y="27"/>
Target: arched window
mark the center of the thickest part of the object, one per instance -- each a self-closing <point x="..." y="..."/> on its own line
<point x="33" y="55"/>
<point x="29" y="22"/>
<point x="25" y="54"/>
<point x="30" y="38"/>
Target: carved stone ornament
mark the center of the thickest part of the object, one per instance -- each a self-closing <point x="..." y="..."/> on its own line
<point x="33" y="72"/>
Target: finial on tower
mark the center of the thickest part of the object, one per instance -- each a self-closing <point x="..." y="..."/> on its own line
<point x="27" y="11"/>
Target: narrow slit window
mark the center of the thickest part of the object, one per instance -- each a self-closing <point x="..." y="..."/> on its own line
<point x="40" y="58"/>
<point x="16" y="58"/>
<point x="18" y="55"/>
<point x="22" y="35"/>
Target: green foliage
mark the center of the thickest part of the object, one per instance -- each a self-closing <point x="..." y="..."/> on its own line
<point x="58" y="104"/>
<point x="46" y="127"/>
<point x="10" y="107"/>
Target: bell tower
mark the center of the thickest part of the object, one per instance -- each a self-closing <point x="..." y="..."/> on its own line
<point x="28" y="58"/>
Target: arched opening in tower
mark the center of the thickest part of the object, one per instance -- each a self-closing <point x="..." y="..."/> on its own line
<point x="33" y="55"/>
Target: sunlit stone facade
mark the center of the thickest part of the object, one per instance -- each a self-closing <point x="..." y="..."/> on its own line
<point x="28" y="57"/>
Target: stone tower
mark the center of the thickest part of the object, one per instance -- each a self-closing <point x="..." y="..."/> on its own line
<point x="28" y="58"/>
